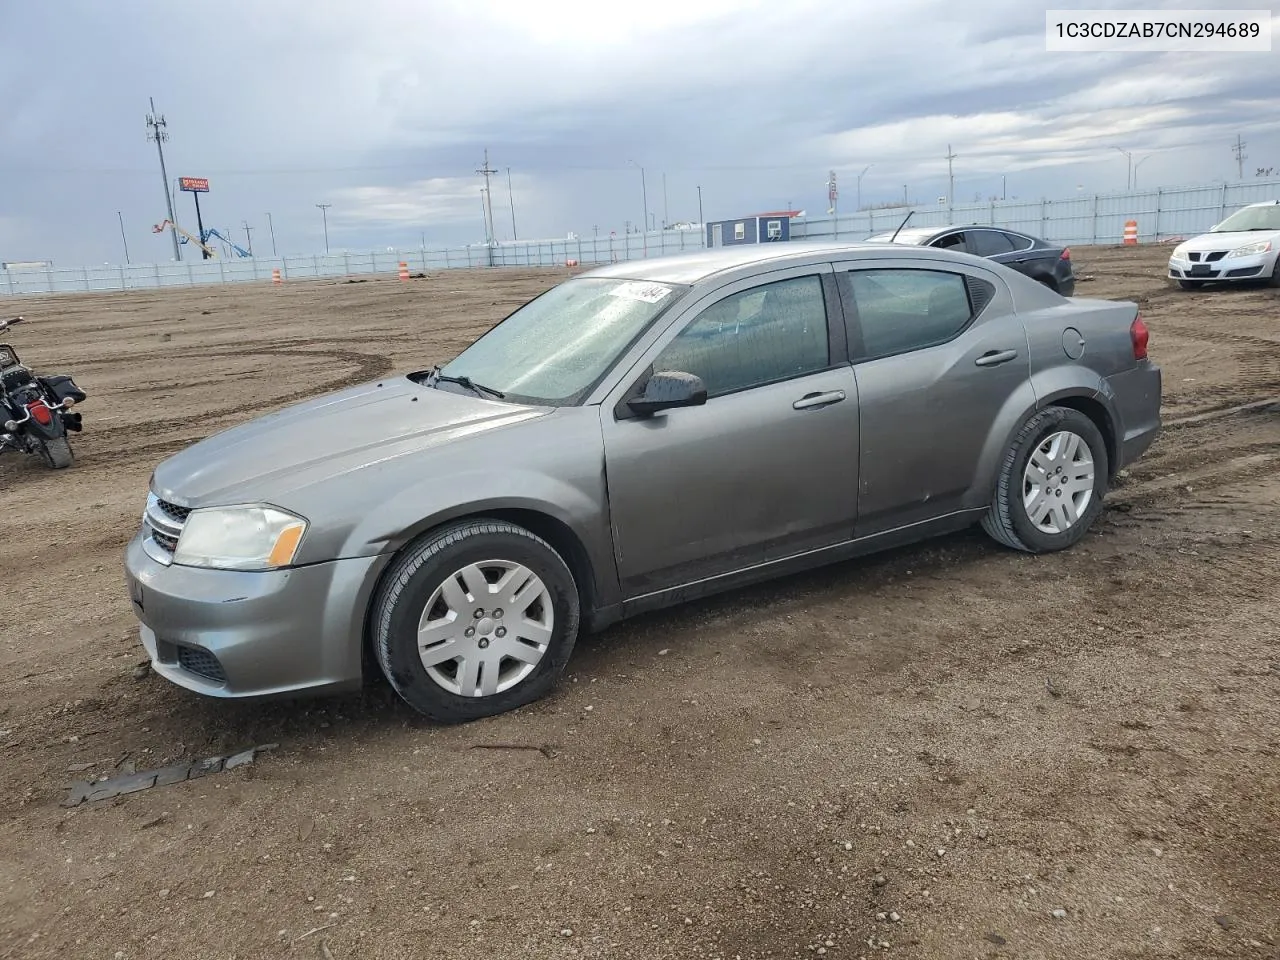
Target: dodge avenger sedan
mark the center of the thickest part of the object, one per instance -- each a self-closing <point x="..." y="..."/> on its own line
<point x="638" y="435"/>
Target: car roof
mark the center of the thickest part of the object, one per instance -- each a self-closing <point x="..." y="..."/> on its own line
<point x="690" y="268"/>
<point x="926" y="232"/>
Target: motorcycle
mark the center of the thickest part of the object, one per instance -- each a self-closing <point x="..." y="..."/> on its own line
<point x="35" y="411"/>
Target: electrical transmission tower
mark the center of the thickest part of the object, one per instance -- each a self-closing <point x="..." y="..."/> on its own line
<point x="156" y="130"/>
<point x="1238" y="149"/>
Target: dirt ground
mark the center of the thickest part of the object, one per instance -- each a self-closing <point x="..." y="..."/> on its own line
<point x="922" y="754"/>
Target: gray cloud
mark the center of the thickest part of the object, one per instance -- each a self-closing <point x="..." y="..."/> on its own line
<point x="384" y="109"/>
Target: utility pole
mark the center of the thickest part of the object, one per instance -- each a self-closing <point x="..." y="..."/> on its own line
<point x="1241" y="156"/>
<point x="324" y="208"/>
<point x="486" y="171"/>
<point x="248" y="234"/>
<point x="1003" y="184"/>
<point x="157" y="130"/>
<point x="951" y="179"/>
<point x="1138" y="166"/>
<point x="700" y="221"/>
<point x="644" y="195"/>
<point x="666" y="216"/>
<point x="123" y="238"/>
<point x="272" y="227"/>
<point x="1128" y="181"/>
<point x="512" y="197"/>
<point x="905" y="201"/>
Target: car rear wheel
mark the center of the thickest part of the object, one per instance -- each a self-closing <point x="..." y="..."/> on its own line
<point x="1051" y="484"/>
<point x="1191" y="284"/>
<point x="478" y="618"/>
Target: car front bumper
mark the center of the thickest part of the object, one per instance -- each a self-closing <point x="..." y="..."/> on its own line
<point x="1256" y="267"/>
<point x="261" y="634"/>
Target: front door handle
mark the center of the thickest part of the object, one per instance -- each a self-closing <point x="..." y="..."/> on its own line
<point x="818" y="400"/>
<point x="993" y="357"/>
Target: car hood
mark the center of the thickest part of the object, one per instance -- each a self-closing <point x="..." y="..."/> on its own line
<point x="1208" y="242"/>
<point x="324" y="437"/>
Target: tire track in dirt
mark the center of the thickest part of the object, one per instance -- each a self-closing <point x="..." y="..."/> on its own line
<point x="369" y="366"/>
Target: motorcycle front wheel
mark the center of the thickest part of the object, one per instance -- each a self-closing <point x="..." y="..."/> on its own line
<point x="56" y="453"/>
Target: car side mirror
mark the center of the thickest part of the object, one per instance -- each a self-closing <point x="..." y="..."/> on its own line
<point x="668" y="389"/>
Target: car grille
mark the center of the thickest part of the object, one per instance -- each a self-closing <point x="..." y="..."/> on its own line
<point x="201" y="662"/>
<point x="1207" y="257"/>
<point x="162" y="524"/>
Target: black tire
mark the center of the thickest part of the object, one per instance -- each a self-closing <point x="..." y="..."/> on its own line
<point x="1007" y="521"/>
<point x="1049" y="282"/>
<point x="1191" y="284"/>
<point x="412" y="581"/>
<point x="57" y="453"/>
<point x="1275" y="274"/>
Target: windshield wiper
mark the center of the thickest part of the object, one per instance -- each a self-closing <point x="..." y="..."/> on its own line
<point x="435" y="376"/>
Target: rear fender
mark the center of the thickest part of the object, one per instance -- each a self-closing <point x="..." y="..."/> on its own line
<point x="1069" y="386"/>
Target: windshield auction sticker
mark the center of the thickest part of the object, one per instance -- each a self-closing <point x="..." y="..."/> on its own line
<point x="638" y="290"/>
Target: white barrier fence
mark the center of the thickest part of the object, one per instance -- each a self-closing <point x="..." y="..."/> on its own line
<point x="1160" y="214"/>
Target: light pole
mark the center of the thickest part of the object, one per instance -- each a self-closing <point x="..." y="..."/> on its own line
<point x="1128" y="183"/>
<point x="1136" y="166"/>
<point x="324" y="212"/>
<point x="272" y="227"/>
<point x="859" y="188"/>
<point x="644" y="194"/>
<point x="700" y="220"/>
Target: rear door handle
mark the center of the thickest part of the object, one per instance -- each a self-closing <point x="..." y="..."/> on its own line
<point x="818" y="400"/>
<point x="993" y="357"/>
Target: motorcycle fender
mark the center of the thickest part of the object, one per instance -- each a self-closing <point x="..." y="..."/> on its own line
<point x="63" y="387"/>
<point x="51" y="431"/>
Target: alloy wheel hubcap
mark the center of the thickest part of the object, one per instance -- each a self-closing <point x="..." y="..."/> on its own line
<point x="485" y="628"/>
<point x="1057" y="485"/>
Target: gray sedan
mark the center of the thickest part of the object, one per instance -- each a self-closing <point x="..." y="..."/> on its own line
<point x="636" y="436"/>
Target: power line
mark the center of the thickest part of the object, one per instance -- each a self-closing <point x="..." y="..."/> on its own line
<point x="157" y="130"/>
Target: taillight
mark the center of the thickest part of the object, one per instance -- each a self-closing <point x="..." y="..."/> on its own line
<point x="1066" y="253"/>
<point x="1139" y="334"/>
<point x="40" y="413"/>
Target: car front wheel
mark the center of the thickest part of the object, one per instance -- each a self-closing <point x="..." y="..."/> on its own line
<point x="1191" y="284"/>
<point x="1051" y="483"/>
<point x="477" y="619"/>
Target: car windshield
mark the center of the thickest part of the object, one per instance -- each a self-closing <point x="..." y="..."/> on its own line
<point x="557" y="346"/>
<point x="1251" y="218"/>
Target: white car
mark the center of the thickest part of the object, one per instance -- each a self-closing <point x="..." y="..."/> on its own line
<point x="1245" y="246"/>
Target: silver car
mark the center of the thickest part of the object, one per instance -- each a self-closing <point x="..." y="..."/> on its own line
<point x="1243" y="247"/>
<point x="636" y="436"/>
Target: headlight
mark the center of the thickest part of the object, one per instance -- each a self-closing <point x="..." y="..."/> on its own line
<point x="1180" y="252"/>
<point x="1251" y="249"/>
<point x="239" y="538"/>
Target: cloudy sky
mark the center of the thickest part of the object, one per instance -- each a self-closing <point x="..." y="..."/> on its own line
<point x="383" y="109"/>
